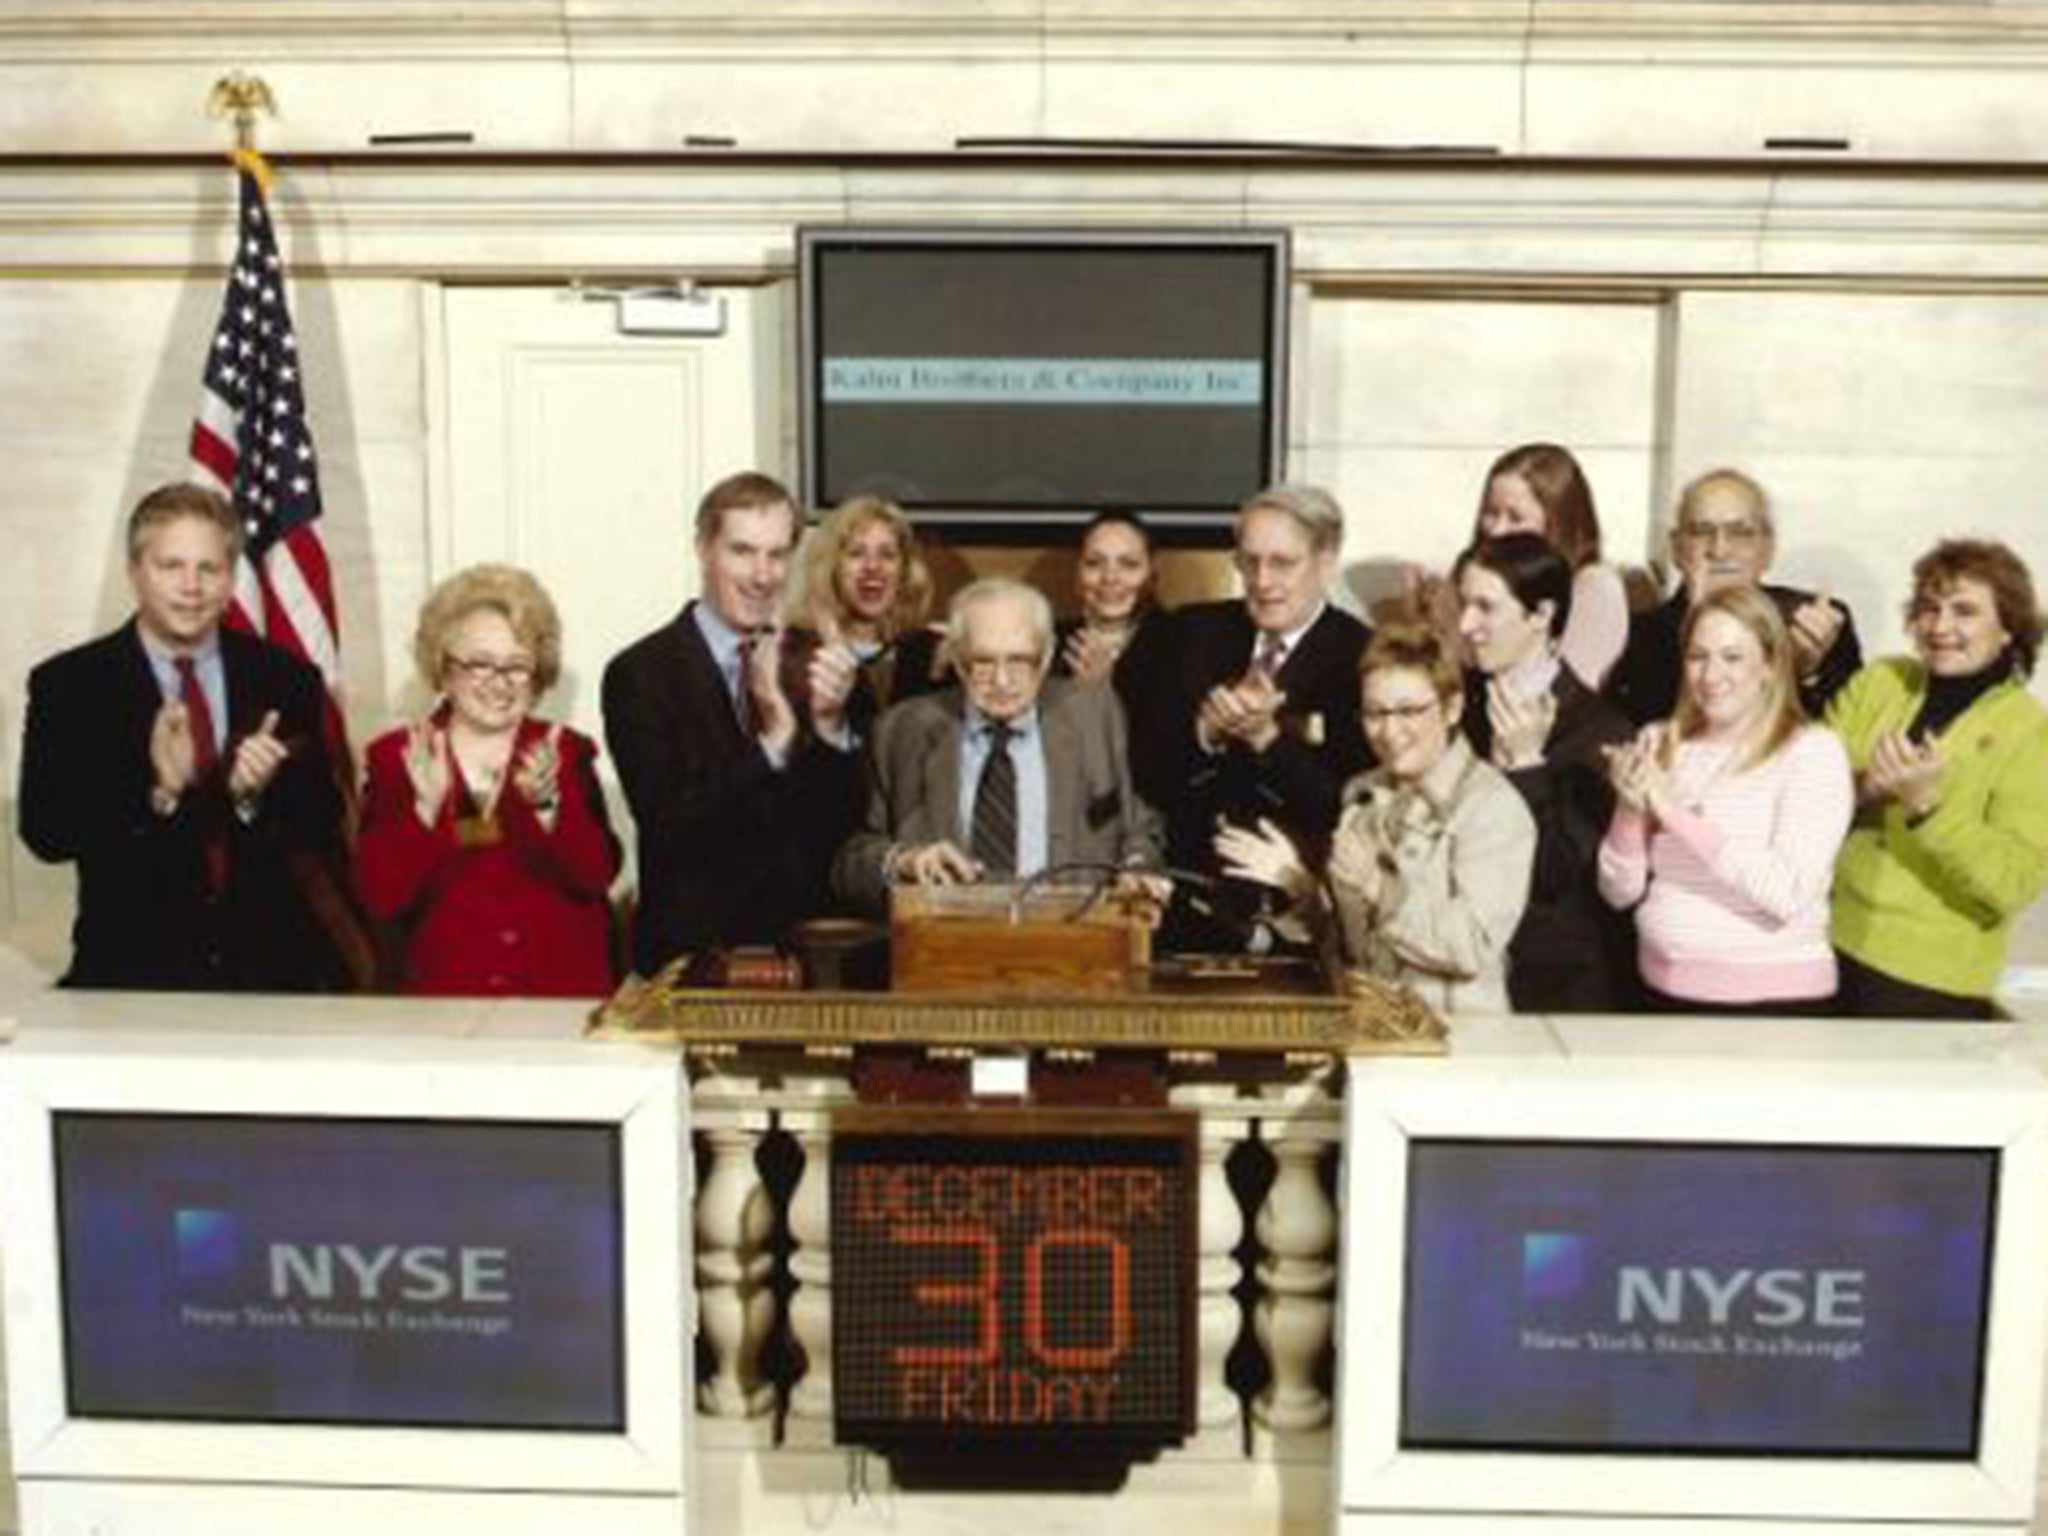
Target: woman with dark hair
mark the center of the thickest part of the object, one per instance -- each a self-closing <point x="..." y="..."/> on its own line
<point x="1429" y="866"/>
<point x="1950" y="752"/>
<point x="484" y="834"/>
<point x="1728" y="820"/>
<point x="1113" y="577"/>
<point x="1539" y="488"/>
<point x="1534" y="720"/>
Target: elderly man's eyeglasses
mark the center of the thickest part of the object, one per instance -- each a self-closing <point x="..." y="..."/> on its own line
<point x="986" y="669"/>
<point x="481" y="669"/>
<point x="1723" y="535"/>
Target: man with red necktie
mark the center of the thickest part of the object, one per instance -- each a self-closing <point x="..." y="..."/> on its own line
<point x="1246" y="710"/>
<point x="182" y="767"/>
<point x="732" y="743"/>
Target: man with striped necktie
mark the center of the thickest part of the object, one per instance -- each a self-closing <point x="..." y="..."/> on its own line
<point x="1007" y="775"/>
<point x="1246" y="710"/>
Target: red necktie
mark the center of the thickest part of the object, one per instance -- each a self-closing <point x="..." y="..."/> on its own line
<point x="205" y="756"/>
<point x="743" y="690"/>
<point x="199" y="715"/>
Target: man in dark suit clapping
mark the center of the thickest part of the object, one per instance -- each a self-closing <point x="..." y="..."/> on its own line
<point x="739" y="767"/>
<point x="1247" y="710"/>
<point x="183" y="768"/>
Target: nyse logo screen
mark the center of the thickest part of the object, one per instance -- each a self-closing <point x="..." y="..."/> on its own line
<point x="294" y="1270"/>
<point x="1705" y="1299"/>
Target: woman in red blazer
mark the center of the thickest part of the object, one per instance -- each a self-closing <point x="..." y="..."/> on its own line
<point x="484" y="835"/>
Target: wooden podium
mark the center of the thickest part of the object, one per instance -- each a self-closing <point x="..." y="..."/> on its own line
<point x="1016" y="940"/>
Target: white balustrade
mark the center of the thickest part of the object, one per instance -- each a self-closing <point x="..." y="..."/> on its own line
<point x="1297" y="1228"/>
<point x="735" y="1265"/>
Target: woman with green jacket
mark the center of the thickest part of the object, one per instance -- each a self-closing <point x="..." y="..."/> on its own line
<point x="1950" y="750"/>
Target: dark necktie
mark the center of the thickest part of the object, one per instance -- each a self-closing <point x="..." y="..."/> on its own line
<point x="1272" y="656"/>
<point x="995" y="806"/>
<point x="198" y="717"/>
<point x="743" y="685"/>
<point x="205" y="757"/>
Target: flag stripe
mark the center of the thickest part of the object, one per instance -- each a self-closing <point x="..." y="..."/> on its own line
<point x="252" y="441"/>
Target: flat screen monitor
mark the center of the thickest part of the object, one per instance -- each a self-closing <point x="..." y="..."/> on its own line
<point x="283" y="1269"/>
<point x="1696" y="1299"/>
<point x="1793" y="1290"/>
<point x="432" y="1263"/>
<point x="1009" y="383"/>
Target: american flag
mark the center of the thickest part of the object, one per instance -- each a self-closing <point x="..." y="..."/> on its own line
<point x="251" y="442"/>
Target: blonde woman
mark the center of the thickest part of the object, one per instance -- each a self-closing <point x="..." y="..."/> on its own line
<point x="1727" y="821"/>
<point x="865" y="585"/>
<point x="484" y="834"/>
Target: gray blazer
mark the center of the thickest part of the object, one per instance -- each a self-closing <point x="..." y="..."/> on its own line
<point x="1093" y="814"/>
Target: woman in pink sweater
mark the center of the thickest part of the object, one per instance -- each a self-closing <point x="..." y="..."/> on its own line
<point x="1727" y="823"/>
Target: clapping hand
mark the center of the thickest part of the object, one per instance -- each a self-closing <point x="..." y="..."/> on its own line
<point x="428" y="766"/>
<point x="1265" y="857"/>
<point x="774" y="716"/>
<point x="172" y="756"/>
<point x="1905" y="770"/>
<point x="258" y="757"/>
<point x="1247" y="710"/>
<point x="1091" y="654"/>
<point x="829" y="680"/>
<point x="1355" y="865"/>
<point x="1640" y="782"/>
<point x="1815" y="625"/>
<point x="539" y="775"/>
<point x="1521" y="726"/>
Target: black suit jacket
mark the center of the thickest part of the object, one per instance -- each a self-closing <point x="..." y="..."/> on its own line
<point x="1644" y="683"/>
<point x="732" y="850"/>
<point x="1571" y="953"/>
<point x="1164" y="676"/>
<point x="147" y="915"/>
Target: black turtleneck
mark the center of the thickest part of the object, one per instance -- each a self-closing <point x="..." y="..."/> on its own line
<point x="1948" y="697"/>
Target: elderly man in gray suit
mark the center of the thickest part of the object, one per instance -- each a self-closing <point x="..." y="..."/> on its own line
<point x="1004" y="777"/>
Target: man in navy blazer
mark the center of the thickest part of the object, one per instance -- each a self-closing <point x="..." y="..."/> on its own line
<point x="1074" y="801"/>
<point x="1247" y="710"/>
<point x="733" y="751"/>
<point x="183" y="769"/>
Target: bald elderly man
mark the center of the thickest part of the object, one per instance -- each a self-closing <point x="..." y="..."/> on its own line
<point x="1007" y="775"/>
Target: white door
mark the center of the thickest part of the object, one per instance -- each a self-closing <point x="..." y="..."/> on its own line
<point x="566" y="447"/>
<point x="580" y="454"/>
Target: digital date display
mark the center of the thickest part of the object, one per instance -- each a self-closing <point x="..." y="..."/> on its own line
<point x="996" y="1278"/>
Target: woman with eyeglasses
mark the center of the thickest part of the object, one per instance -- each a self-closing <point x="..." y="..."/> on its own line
<point x="484" y="836"/>
<point x="1533" y="719"/>
<point x="1726" y="535"/>
<point x="1539" y="488"/>
<point x="1727" y="823"/>
<point x="1950" y="751"/>
<point x="1428" y="871"/>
